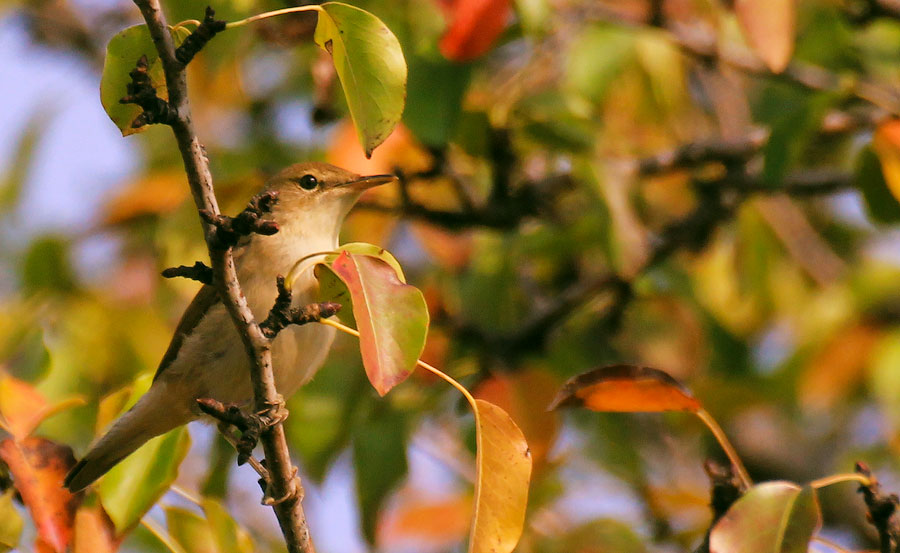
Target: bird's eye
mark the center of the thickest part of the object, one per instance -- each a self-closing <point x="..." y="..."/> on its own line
<point x="308" y="182"/>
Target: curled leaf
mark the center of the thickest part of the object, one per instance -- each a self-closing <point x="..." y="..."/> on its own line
<point x="626" y="389"/>
<point x="38" y="467"/>
<point x="391" y="317"/>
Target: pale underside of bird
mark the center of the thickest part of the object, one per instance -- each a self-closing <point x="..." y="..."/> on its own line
<point x="206" y="357"/>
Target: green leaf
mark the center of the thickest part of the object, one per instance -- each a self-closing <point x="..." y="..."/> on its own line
<point x="772" y="517"/>
<point x="122" y="54"/>
<point x="133" y="486"/>
<point x="370" y="66"/>
<point x="391" y="317"/>
<point x="379" y="459"/>
<point x="436" y="88"/>
<point x="596" y="58"/>
<point x="190" y="531"/>
<point x="10" y="522"/>
<point x="46" y="266"/>
<point x="228" y="535"/>
<point x="881" y="205"/>
<point x="790" y="136"/>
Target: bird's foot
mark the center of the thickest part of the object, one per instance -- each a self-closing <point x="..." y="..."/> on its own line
<point x="251" y="425"/>
<point x="295" y="491"/>
<point x="274" y="413"/>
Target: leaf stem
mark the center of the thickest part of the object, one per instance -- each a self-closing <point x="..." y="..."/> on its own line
<point x="267" y="15"/>
<point x="185" y="494"/>
<point x="838" y="478"/>
<point x="830" y="544"/>
<point x="726" y="446"/>
<point x="161" y="535"/>
<point x="419" y="362"/>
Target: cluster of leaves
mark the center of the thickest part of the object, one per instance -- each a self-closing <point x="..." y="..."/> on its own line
<point x="584" y="182"/>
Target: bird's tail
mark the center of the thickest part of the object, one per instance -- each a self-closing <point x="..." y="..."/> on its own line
<point x="151" y="416"/>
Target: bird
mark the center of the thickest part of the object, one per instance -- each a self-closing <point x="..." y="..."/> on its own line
<point x="206" y="358"/>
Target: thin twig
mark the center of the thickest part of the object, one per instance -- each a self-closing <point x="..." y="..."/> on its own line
<point x="199" y="271"/>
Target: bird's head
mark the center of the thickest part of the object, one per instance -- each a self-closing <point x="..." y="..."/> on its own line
<point x="315" y="197"/>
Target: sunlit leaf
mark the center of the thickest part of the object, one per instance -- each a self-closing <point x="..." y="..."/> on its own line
<point x="10" y="522"/>
<point x="770" y="27"/>
<point x="122" y="54"/>
<point x="628" y="389"/>
<point x="501" y="490"/>
<point x="20" y="406"/>
<point x="228" y="535"/>
<point x="94" y="531"/>
<point x="38" y="467"/>
<point x="596" y="57"/>
<point x="391" y="317"/>
<point x="370" y="66"/>
<point x="190" y="530"/>
<point x="133" y="486"/>
<point x="474" y="27"/>
<point x="157" y="193"/>
<point x="773" y="517"/>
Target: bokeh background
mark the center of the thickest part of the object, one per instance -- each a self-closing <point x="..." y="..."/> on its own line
<point x="583" y="183"/>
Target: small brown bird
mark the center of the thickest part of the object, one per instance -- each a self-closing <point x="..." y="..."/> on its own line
<point x="206" y="357"/>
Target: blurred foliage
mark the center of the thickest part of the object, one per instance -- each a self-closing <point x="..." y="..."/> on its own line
<point x="584" y="182"/>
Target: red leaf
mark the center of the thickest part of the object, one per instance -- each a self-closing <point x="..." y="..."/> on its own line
<point x="391" y="318"/>
<point x="38" y="467"/>
<point x="627" y="389"/>
<point x="474" y="26"/>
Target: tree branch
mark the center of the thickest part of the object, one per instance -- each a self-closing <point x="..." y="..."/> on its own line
<point x="282" y="482"/>
<point x="882" y="511"/>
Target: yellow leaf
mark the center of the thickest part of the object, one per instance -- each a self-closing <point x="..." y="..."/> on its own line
<point x="769" y="26"/>
<point x="501" y="489"/>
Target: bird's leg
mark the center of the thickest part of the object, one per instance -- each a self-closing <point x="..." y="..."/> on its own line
<point x="251" y="425"/>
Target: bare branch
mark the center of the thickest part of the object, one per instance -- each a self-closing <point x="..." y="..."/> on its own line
<point x="282" y="314"/>
<point x="199" y="271"/>
<point x="882" y="511"/>
<point x="283" y="482"/>
<point x="229" y="230"/>
<point x="195" y="42"/>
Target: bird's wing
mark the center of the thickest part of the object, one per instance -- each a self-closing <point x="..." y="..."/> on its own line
<point x="203" y="301"/>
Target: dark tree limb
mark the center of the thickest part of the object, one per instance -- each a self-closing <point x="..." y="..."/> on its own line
<point x="882" y="511"/>
<point x="727" y="488"/>
<point x="282" y="474"/>
<point x="199" y="271"/>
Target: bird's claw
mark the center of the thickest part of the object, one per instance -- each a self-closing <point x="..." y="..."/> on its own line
<point x="274" y="413"/>
<point x="295" y="491"/>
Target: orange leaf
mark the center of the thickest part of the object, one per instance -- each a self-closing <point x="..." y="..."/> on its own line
<point x="21" y="406"/>
<point x="833" y="372"/>
<point x="626" y="389"/>
<point x="38" y="467"/>
<point x="94" y="531"/>
<point x="474" y="27"/>
<point x="442" y="522"/>
<point x="770" y="26"/>
<point x="886" y="144"/>
<point x="154" y="194"/>
<point x="525" y="395"/>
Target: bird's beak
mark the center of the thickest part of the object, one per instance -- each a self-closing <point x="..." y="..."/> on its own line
<point x="364" y="183"/>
